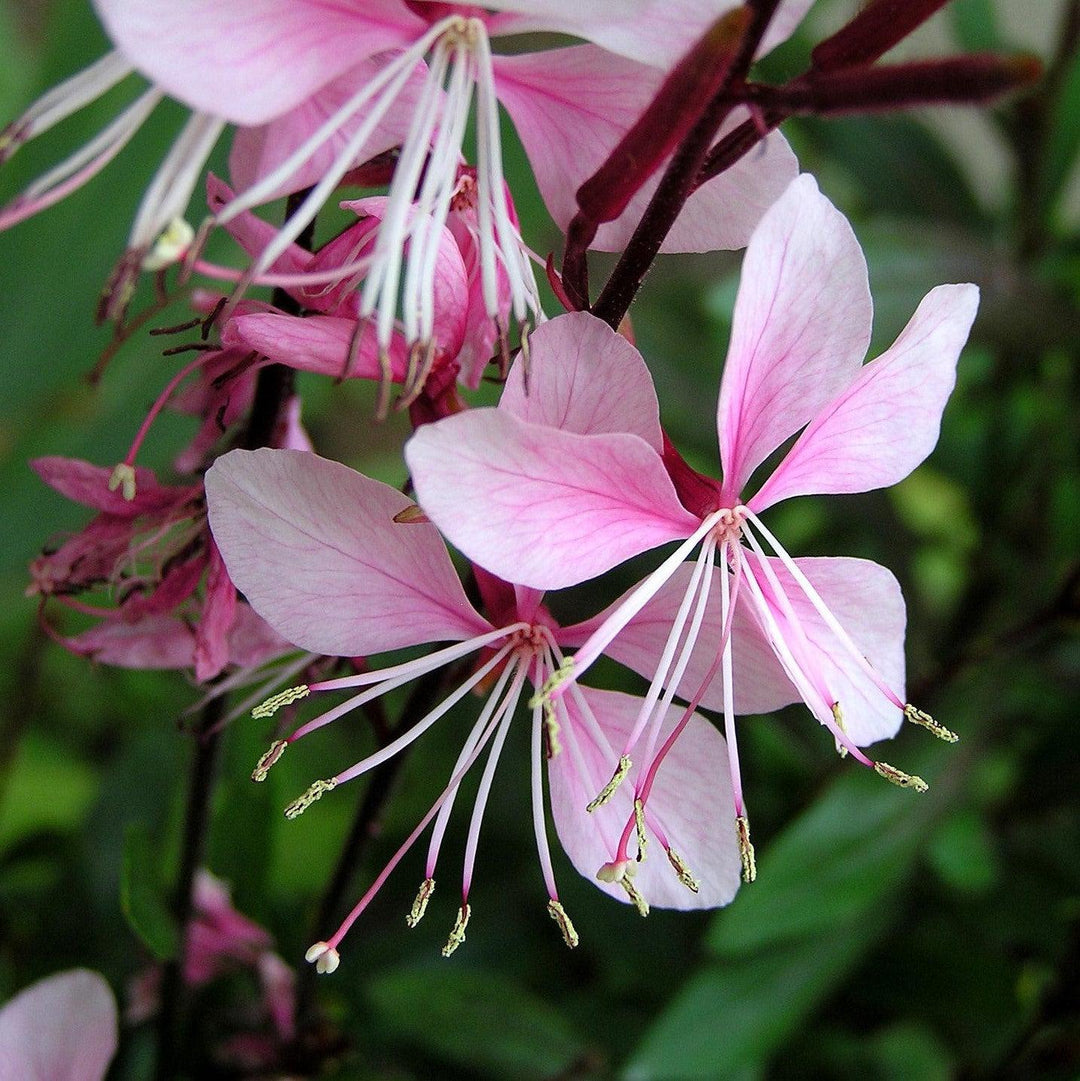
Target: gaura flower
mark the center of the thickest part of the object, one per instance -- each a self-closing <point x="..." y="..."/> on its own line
<point x="62" y="1028"/>
<point x="322" y="553"/>
<point x="559" y="506"/>
<point x="337" y="85"/>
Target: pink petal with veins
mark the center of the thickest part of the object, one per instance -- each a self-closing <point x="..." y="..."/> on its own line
<point x="314" y="547"/>
<point x="691" y="800"/>
<point x="583" y="377"/>
<point x="800" y="329"/>
<point x="879" y="429"/>
<point x="539" y="506"/>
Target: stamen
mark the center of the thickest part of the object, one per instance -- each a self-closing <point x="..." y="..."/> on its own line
<point x="924" y="720"/>
<point x="558" y="914"/>
<point x="262" y="767"/>
<point x="899" y="777"/>
<point x="419" y="906"/>
<point x="457" y="934"/>
<point x="552" y="743"/>
<point x="564" y="672"/>
<point x="838" y="716"/>
<point x="746" y="849"/>
<point x="282" y="698"/>
<point x="325" y="958"/>
<point x="636" y="899"/>
<point x="605" y="793"/>
<point x="682" y="871"/>
<point x="169" y="247"/>
<point x="411" y="515"/>
<point x="123" y="477"/>
<point x="314" y="793"/>
<point x="639" y="827"/>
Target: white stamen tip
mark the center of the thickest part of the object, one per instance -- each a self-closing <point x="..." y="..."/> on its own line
<point x="170" y="246"/>
<point x="324" y="957"/>
<point x="123" y="477"/>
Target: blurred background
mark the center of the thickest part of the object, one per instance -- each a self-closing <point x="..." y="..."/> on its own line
<point x="888" y="935"/>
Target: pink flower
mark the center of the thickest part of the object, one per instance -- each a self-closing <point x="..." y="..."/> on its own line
<point x="62" y="1028"/>
<point x="322" y="554"/>
<point x="560" y="505"/>
<point x="152" y="552"/>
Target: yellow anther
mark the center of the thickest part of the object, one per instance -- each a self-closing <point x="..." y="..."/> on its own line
<point x="611" y="872"/>
<point x="282" y="698"/>
<point x="924" y="720"/>
<point x="746" y="849"/>
<point x="324" y="957"/>
<point x="633" y="893"/>
<point x="899" y="778"/>
<point x="312" y="795"/>
<point x="605" y="793"/>
<point x="123" y="477"/>
<point x="170" y="246"/>
<point x="564" y="672"/>
<point x="419" y="906"/>
<point x="639" y="827"/>
<point x="262" y="767"/>
<point x="683" y="872"/>
<point x="552" y="728"/>
<point x="410" y="515"/>
<point x="558" y="914"/>
<point x="838" y="716"/>
<point x="457" y="933"/>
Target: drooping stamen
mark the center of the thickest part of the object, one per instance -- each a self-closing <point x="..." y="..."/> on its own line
<point x="639" y="829"/>
<point x="262" y="767"/>
<point x="636" y="898"/>
<point x="924" y="720"/>
<point x="899" y="778"/>
<point x="617" y="778"/>
<point x="419" y="906"/>
<point x="536" y="785"/>
<point x="279" y="700"/>
<point x="558" y="914"/>
<point x="746" y="849"/>
<point x="123" y="477"/>
<point x="457" y="933"/>
<point x="682" y="870"/>
<point x="316" y="791"/>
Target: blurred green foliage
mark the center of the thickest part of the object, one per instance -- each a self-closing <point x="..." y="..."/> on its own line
<point x="888" y="936"/>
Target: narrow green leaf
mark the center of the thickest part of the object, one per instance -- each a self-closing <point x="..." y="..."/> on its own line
<point x="141" y="896"/>
<point x="479" y="1020"/>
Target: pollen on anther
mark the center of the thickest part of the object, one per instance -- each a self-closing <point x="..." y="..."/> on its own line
<point x="683" y="872"/>
<point x="605" y="793"/>
<point x="639" y="827"/>
<point x="262" y="767"/>
<point x="899" y="778"/>
<point x="324" y="957"/>
<point x="924" y="720"/>
<point x="457" y="933"/>
<point x="419" y="906"/>
<point x="314" y="793"/>
<point x="558" y="914"/>
<point x="123" y="477"/>
<point x="282" y="698"/>
<point x="746" y="849"/>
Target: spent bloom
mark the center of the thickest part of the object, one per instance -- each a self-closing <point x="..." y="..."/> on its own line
<point x="560" y="506"/>
<point x="332" y="561"/>
<point x="316" y="91"/>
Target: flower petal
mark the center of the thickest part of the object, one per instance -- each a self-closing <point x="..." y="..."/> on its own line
<point x="800" y="329"/>
<point x="319" y="343"/>
<point x="253" y="61"/>
<point x="542" y="507"/>
<point x="570" y="126"/>
<point x="584" y="378"/>
<point x="314" y="548"/>
<point x="62" y="1028"/>
<point x="879" y="429"/>
<point x="866" y="600"/>
<point x="760" y="683"/>
<point x="89" y="485"/>
<point x="691" y="800"/>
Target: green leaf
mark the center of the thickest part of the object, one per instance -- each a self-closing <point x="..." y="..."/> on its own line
<point x="732" y="1016"/>
<point x="832" y="867"/>
<point x="479" y="1020"/>
<point x="141" y="896"/>
<point x="1064" y="136"/>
